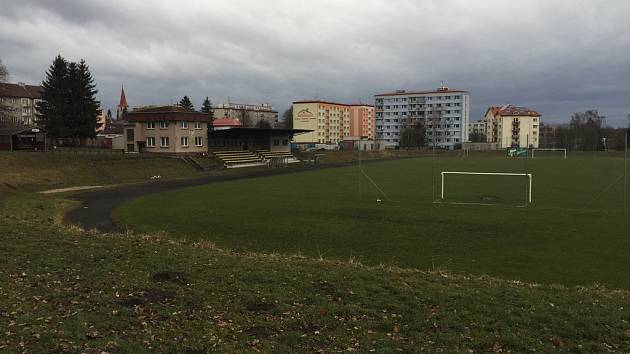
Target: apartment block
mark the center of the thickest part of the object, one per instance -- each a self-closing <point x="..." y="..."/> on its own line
<point x="331" y="122"/>
<point x="511" y="125"/>
<point x="478" y="129"/>
<point x="20" y="101"/>
<point x="444" y="112"/>
<point x="362" y="121"/>
<point x="255" y="112"/>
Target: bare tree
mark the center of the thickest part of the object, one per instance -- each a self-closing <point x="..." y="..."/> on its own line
<point x="435" y="126"/>
<point x="287" y="118"/>
<point x="245" y="118"/>
<point x="4" y="73"/>
<point x="5" y="110"/>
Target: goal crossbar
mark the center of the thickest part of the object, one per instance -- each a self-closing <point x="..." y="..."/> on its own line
<point x="528" y="175"/>
<point x="549" y="149"/>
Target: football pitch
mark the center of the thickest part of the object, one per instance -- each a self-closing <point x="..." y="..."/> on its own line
<point x="574" y="232"/>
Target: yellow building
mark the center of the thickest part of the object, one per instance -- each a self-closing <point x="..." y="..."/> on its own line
<point x="510" y="125"/>
<point x="329" y="122"/>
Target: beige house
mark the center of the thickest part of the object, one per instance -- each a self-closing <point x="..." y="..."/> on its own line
<point x="20" y="101"/>
<point x="511" y="125"/>
<point x="167" y="130"/>
<point x="254" y="112"/>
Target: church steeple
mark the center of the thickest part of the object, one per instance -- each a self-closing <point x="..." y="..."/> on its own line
<point x="122" y="106"/>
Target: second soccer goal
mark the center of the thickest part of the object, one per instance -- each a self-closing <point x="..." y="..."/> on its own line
<point x="486" y="188"/>
<point x="553" y="153"/>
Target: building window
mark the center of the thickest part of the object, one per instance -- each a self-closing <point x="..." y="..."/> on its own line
<point x="150" y="125"/>
<point x="150" y="141"/>
<point x="184" y="124"/>
<point x="163" y="124"/>
<point x="184" y="141"/>
<point x="130" y="135"/>
<point x="198" y="141"/>
<point x="164" y="141"/>
<point x="197" y="125"/>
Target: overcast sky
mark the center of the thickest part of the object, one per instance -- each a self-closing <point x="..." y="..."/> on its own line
<point x="555" y="56"/>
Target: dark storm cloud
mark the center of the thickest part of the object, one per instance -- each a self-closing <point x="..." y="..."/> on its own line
<point x="556" y="56"/>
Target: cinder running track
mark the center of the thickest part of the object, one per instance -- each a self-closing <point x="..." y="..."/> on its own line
<point x="96" y="208"/>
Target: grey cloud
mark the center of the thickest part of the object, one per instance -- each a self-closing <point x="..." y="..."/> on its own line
<point x="558" y="57"/>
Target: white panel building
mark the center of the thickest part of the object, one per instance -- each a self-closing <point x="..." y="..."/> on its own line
<point x="444" y="113"/>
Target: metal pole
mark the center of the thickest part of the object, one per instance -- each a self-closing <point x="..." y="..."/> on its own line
<point x="625" y="171"/>
<point x="360" y="172"/>
<point x="442" y="173"/>
<point x="433" y="172"/>
<point x="530" y="188"/>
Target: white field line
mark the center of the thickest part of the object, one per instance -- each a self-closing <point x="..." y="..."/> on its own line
<point x="69" y="189"/>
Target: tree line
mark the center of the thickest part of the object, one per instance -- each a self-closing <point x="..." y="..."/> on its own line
<point x="586" y="131"/>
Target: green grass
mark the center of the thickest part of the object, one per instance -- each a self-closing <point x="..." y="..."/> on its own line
<point x="64" y="290"/>
<point x="573" y="234"/>
<point x="31" y="171"/>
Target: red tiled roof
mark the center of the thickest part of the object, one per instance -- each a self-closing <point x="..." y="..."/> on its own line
<point x="20" y="91"/>
<point x="226" y="122"/>
<point x="511" y="110"/>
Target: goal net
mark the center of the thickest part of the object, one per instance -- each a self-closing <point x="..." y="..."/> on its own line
<point x="557" y="153"/>
<point x="486" y="188"/>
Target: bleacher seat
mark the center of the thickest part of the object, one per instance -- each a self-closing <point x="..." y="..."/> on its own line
<point x="235" y="159"/>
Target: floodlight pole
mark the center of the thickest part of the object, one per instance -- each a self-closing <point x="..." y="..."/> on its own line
<point x="625" y="170"/>
<point x="433" y="174"/>
<point x="360" y="172"/>
<point x="442" y="194"/>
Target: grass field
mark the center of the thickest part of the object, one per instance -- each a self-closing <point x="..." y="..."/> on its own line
<point x="574" y="233"/>
<point x="64" y="290"/>
<point x="30" y="171"/>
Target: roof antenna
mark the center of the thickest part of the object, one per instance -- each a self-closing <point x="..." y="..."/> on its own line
<point x="443" y="86"/>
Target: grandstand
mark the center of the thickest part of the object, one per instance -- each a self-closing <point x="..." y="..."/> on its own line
<point x="239" y="158"/>
<point x="248" y="147"/>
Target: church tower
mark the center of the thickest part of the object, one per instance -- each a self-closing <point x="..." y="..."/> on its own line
<point x="122" y="106"/>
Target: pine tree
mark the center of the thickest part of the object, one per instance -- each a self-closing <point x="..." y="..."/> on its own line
<point x="69" y="108"/>
<point x="206" y="107"/>
<point x="186" y="104"/>
<point x="53" y="108"/>
<point x="87" y="107"/>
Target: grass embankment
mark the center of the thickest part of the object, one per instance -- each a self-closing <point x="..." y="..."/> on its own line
<point x="575" y="232"/>
<point x="29" y="171"/>
<point x="68" y="291"/>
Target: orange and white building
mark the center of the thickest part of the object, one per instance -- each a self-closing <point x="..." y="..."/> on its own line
<point x="511" y="125"/>
<point x="331" y="122"/>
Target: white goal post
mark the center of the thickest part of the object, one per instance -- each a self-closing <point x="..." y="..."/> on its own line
<point x="557" y="149"/>
<point x="528" y="175"/>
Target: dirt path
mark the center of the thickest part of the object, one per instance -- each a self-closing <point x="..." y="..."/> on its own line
<point x="70" y="189"/>
<point x="96" y="208"/>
